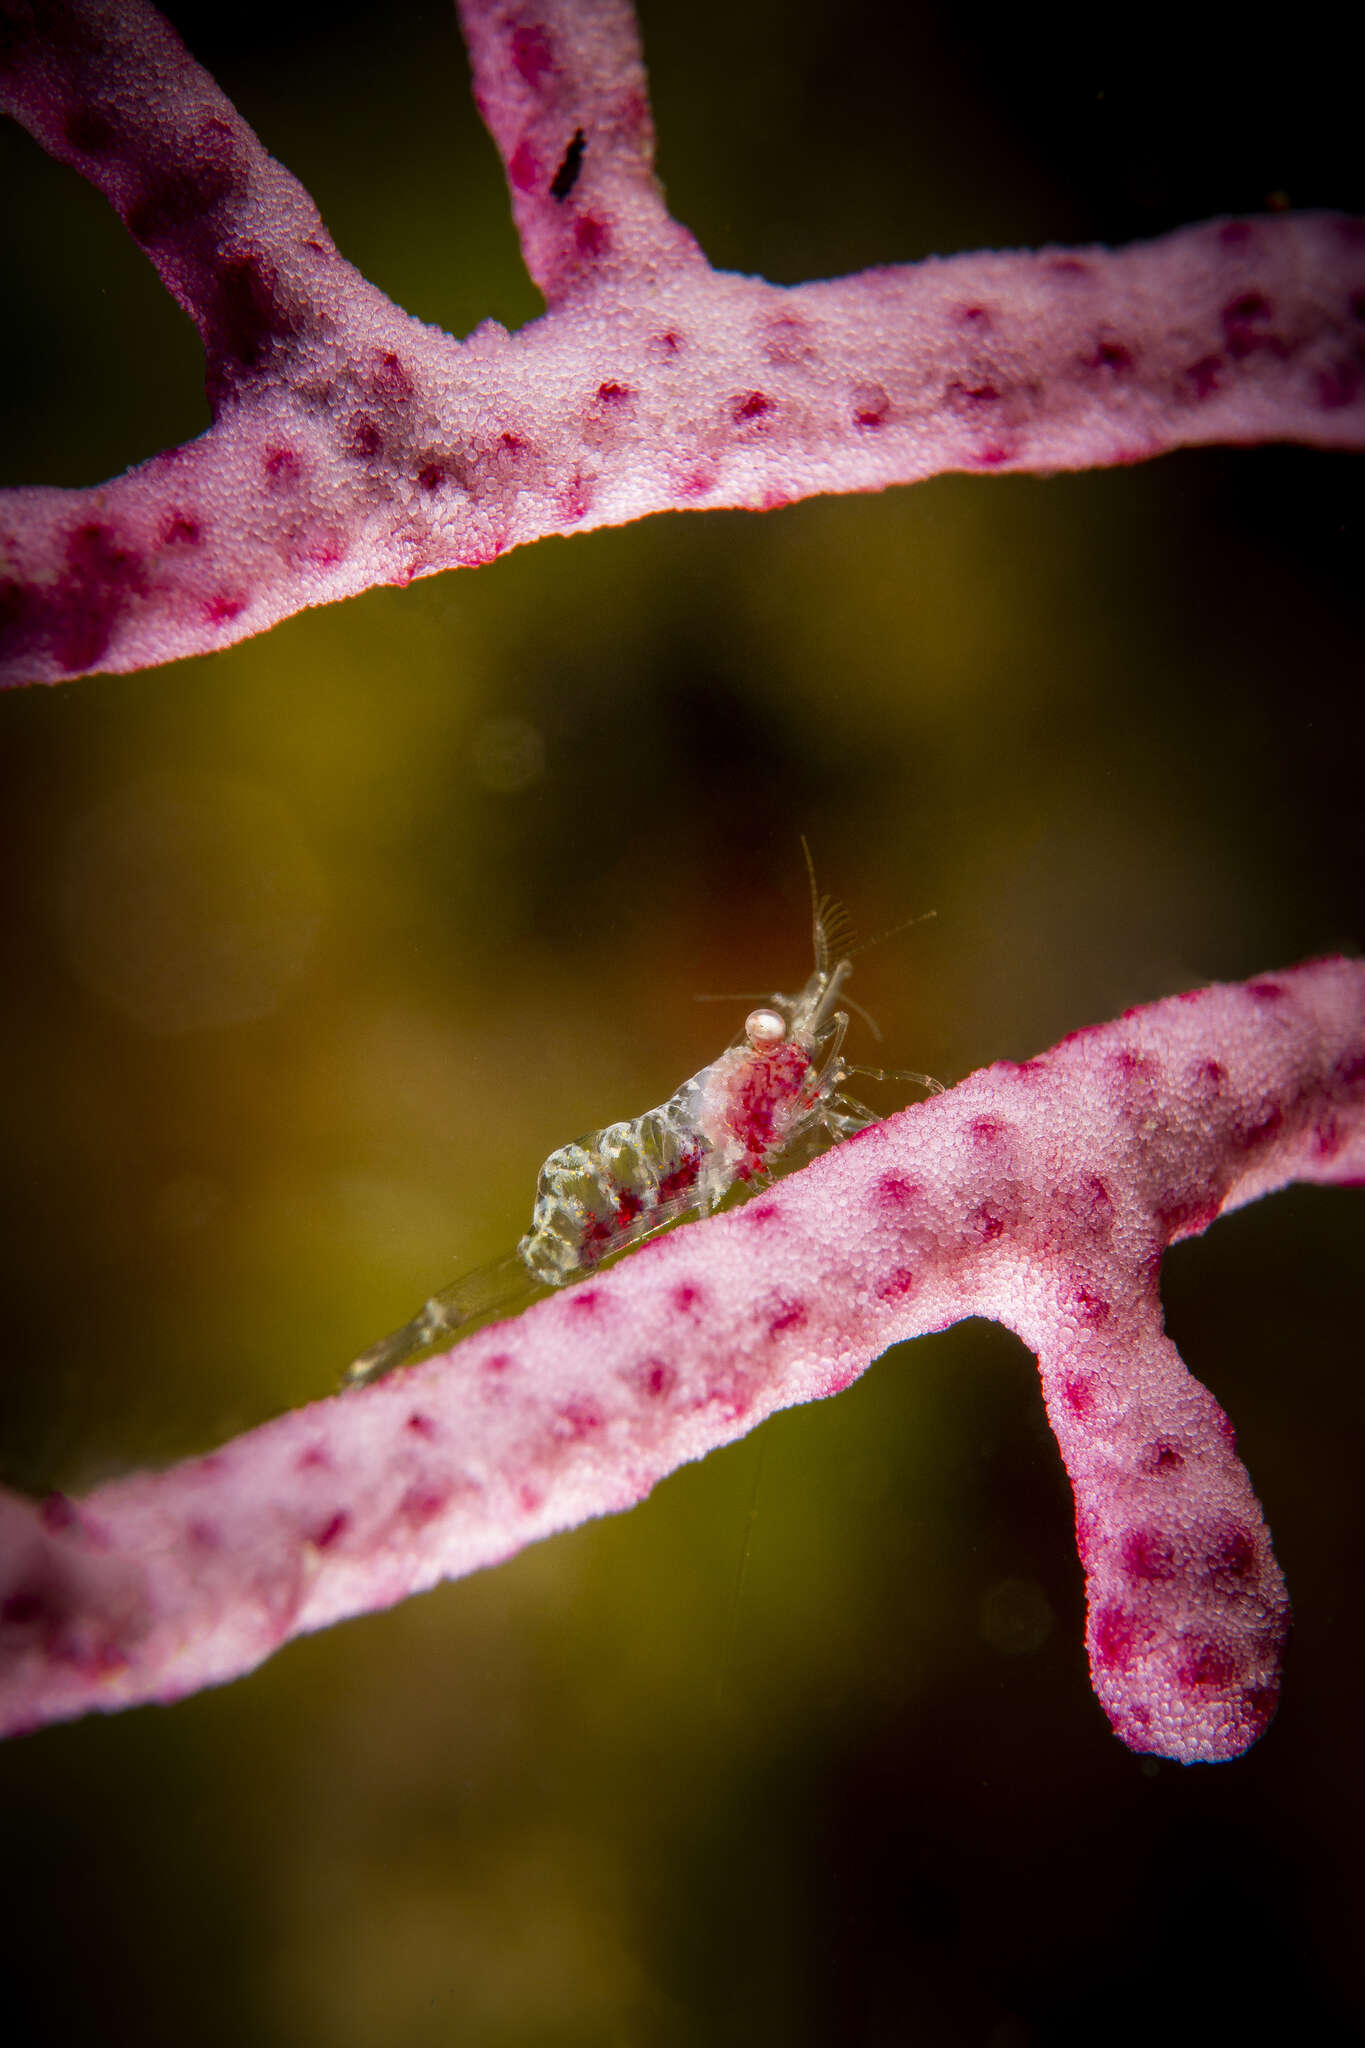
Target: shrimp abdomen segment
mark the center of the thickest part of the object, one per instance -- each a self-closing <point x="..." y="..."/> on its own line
<point x="610" y="1189"/>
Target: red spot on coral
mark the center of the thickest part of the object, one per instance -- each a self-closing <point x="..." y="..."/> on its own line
<point x="577" y="1420"/>
<point x="668" y="343"/>
<point x="1266" y="1127"/>
<point x="56" y="1511"/>
<point x="1078" y="1392"/>
<point x="1328" y="1137"/>
<point x="314" y="1459"/>
<point x="387" y="376"/>
<point x="1234" y="234"/>
<point x="366" y="439"/>
<point x="326" y="551"/>
<point x="245" y="321"/>
<point x="1215" y="1075"/>
<point x="974" y="316"/>
<point x="181" y="529"/>
<point x="896" y="1284"/>
<point x="1266" y="991"/>
<point x="282" y="466"/>
<point x="531" y="53"/>
<point x="1244" y="326"/>
<point x="592" y="237"/>
<point x="1188" y="1217"/>
<point x="336" y="1526"/>
<point x="986" y="1223"/>
<point x="787" y="340"/>
<point x="22" y="1608"/>
<point x="205" y="1536"/>
<point x="1204" y="1665"/>
<point x="968" y="397"/>
<point x="992" y="456"/>
<point x="528" y="1499"/>
<point x="788" y="1315"/>
<point x="89" y="131"/>
<point x="894" y="1191"/>
<point x="747" y="406"/>
<point x="685" y="1297"/>
<point x="500" y="1362"/>
<point x="174" y="204"/>
<point x="1068" y="266"/>
<point x="523" y="170"/>
<point x="655" y="1378"/>
<point x="431" y="476"/>
<point x="613" y="394"/>
<point x="222" y="607"/>
<point x="1162" y="1456"/>
<point x="762" y="1212"/>
<point x="585" y="1301"/>
<point x="1148" y="1554"/>
<point x="1205" y="376"/>
<point x="574" y="500"/>
<point x="1338" y="385"/>
<point x="101" y="580"/>
<point x="871" y="406"/>
<point x="1114" y="1636"/>
<point x="420" y="1424"/>
<point x="986" y="1131"/>
<point x="1349" y="1070"/>
<point x="1093" y="1310"/>
<point x="1112" y="356"/>
<point x="695" y="483"/>
<point x="1231" y="1554"/>
<point x="422" y="1504"/>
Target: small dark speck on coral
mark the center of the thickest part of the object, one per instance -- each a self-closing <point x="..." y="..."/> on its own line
<point x="571" y="164"/>
<point x="420" y="1424"/>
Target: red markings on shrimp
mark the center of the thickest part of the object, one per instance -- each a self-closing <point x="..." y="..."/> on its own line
<point x="735" y="1121"/>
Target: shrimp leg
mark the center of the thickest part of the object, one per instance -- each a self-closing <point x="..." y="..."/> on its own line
<point x="472" y="1298"/>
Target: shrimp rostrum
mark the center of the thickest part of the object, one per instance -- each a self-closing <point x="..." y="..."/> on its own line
<point x="774" y="1096"/>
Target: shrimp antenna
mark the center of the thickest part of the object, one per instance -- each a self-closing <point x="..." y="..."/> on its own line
<point x="866" y="945"/>
<point x="831" y="925"/>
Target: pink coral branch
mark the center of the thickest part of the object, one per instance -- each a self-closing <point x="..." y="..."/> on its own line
<point x="1041" y="1195"/>
<point x="352" y="445"/>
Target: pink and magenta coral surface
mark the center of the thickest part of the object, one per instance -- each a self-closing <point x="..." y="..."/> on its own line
<point x="1041" y="1195"/>
<point x="352" y="445"/>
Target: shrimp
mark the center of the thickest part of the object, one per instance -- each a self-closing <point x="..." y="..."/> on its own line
<point x="772" y="1096"/>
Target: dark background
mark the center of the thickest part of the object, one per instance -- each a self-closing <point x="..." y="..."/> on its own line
<point x="311" y="950"/>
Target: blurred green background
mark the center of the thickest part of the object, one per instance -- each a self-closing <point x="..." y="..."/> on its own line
<point x="313" y="949"/>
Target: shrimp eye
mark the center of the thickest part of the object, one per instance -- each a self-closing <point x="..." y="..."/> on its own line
<point x="765" y="1027"/>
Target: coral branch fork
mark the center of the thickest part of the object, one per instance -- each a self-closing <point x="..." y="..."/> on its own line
<point x="352" y="445"/>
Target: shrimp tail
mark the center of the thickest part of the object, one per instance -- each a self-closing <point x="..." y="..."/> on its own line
<point x="473" y="1298"/>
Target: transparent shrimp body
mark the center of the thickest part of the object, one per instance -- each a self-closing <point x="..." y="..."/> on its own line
<point x="775" y="1094"/>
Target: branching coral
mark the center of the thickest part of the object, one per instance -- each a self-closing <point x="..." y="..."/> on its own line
<point x="352" y="445"/>
<point x="1041" y="1195"/>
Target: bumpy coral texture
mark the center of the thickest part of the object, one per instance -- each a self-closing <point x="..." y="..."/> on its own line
<point x="352" y="445"/>
<point x="1042" y="1195"/>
